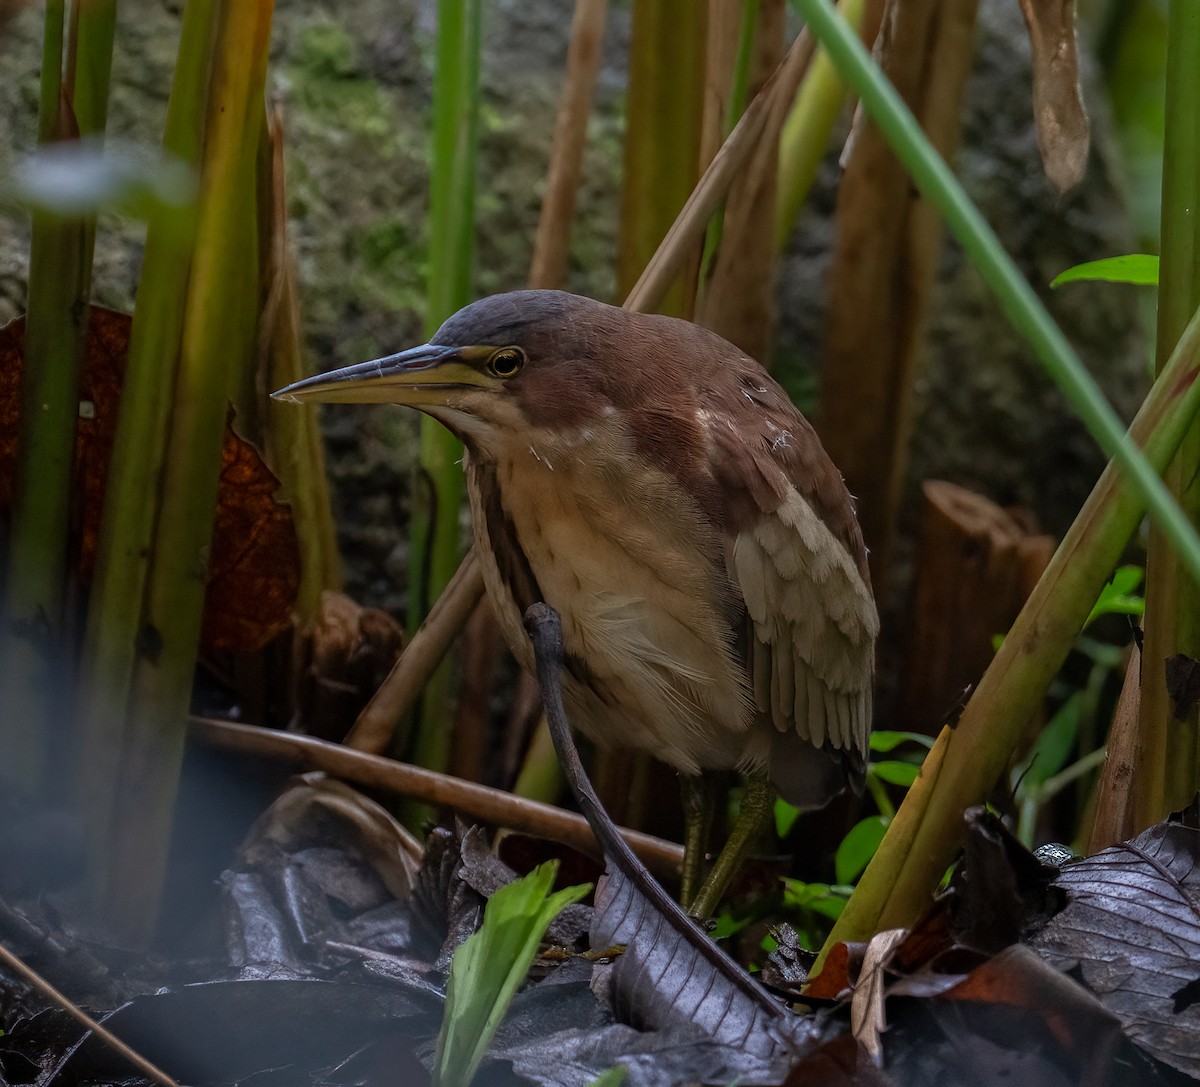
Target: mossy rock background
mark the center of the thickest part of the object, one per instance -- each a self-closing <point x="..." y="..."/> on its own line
<point x="355" y="82"/>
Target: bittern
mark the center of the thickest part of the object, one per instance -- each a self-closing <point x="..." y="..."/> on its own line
<point x="655" y="486"/>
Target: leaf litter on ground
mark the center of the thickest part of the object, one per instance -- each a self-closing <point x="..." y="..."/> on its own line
<point x="330" y="957"/>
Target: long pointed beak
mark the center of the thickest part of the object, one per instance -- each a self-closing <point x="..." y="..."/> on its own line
<point x="418" y="376"/>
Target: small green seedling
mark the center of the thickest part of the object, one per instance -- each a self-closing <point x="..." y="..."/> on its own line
<point x="490" y="966"/>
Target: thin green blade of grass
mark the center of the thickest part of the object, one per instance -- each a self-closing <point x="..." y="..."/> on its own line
<point x="127" y="525"/>
<point x="939" y="185"/>
<point x="32" y="657"/>
<point x="491" y="965"/>
<point x="1168" y="766"/>
<point x="90" y="62"/>
<point x="434" y="533"/>
<point x="219" y="337"/>
<point x="741" y="70"/>
<point x="452" y="184"/>
<point x="50" y="87"/>
<point x="89" y="68"/>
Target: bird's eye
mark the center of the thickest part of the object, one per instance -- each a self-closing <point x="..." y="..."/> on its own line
<point x="506" y="362"/>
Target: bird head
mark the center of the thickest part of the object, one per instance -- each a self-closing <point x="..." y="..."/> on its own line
<point x="504" y="362"/>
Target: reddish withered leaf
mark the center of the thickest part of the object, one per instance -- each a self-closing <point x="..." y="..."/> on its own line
<point x="254" y="570"/>
<point x="838" y="975"/>
<point x="105" y="349"/>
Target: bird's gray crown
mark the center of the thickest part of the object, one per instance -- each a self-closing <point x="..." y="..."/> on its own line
<point x="519" y="317"/>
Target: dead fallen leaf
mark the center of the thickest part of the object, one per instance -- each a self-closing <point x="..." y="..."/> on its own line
<point x="1011" y="1019"/>
<point x="838" y="1063"/>
<point x="838" y="974"/>
<point x="1017" y="978"/>
<point x="1131" y="931"/>
<point x="346" y="651"/>
<point x="867" y="1020"/>
<point x="999" y="886"/>
<point x="317" y="811"/>
<point x="1063" y="131"/>
<point x="254" y="566"/>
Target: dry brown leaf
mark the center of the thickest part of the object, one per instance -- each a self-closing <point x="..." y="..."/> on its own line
<point x="346" y="652"/>
<point x="867" y="1020"/>
<point x="837" y="975"/>
<point x="1017" y="978"/>
<point x="840" y="1062"/>
<point x="318" y="809"/>
<point x="1063" y="132"/>
<point x="254" y="567"/>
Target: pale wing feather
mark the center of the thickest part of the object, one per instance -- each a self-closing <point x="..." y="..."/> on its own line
<point x="813" y="622"/>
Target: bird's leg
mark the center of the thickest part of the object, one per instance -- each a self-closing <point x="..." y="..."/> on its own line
<point x="758" y="803"/>
<point x="698" y="800"/>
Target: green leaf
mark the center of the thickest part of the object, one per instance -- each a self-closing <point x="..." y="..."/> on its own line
<point x="858" y="847"/>
<point x="614" y="1077"/>
<point x="895" y="772"/>
<point x="1140" y="269"/>
<point x="785" y="818"/>
<point x="1125" y="579"/>
<point x="490" y="966"/>
<point x="830" y="905"/>
<point x="725" y="925"/>
<point x="829" y="901"/>
<point x="1053" y="746"/>
<point x="1117" y="597"/>
<point x="888" y="739"/>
